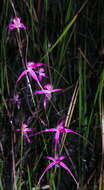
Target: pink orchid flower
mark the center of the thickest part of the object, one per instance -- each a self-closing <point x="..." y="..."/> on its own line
<point x="24" y="129"/>
<point x="30" y="69"/>
<point x="59" y="129"/>
<point x="16" y="99"/>
<point x="47" y="91"/>
<point x="57" y="162"/>
<point x="16" y="24"/>
<point x="41" y="74"/>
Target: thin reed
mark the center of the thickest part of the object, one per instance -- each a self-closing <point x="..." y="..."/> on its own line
<point x="52" y="95"/>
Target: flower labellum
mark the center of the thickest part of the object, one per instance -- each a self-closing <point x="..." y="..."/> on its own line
<point x="16" y="24"/>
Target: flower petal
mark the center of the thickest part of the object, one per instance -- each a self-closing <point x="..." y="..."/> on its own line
<point x="57" y="135"/>
<point x="27" y="129"/>
<point x="55" y="159"/>
<point x="16" y="24"/>
<point x="33" y="74"/>
<point x="47" y="168"/>
<point x="21" y="75"/>
<point x="18" y="129"/>
<point x="56" y="90"/>
<point x="22" y="26"/>
<point x="51" y="158"/>
<point x="62" y="157"/>
<point x="71" y="131"/>
<point x="42" y="92"/>
<point x="44" y="131"/>
<point x="45" y="102"/>
<point x="27" y="137"/>
<point x="66" y="168"/>
<point x="41" y="74"/>
<point x="11" y="26"/>
<point x="33" y="65"/>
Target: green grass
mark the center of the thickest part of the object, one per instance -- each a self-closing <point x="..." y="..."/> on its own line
<point x="69" y="38"/>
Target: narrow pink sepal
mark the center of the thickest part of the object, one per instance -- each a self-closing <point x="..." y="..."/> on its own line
<point x="47" y="168"/>
<point x="27" y="129"/>
<point x="71" y="131"/>
<point x="21" y="75"/>
<point x="47" y="91"/>
<point x="42" y="92"/>
<point x="55" y="160"/>
<point x="37" y="65"/>
<point x="33" y="65"/>
<point x="48" y="130"/>
<point x="51" y="158"/>
<point x="44" y="131"/>
<point x="56" y="90"/>
<point x="62" y="157"/>
<point x="34" y="76"/>
<point x="45" y="102"/>
<point x="27" y="138"/>
<point x="66" y="168"/>
<point x="57" y="137"/>
<point x="18" y="129"/>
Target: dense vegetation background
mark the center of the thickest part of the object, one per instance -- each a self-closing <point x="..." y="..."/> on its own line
<point x="68" y="36"/>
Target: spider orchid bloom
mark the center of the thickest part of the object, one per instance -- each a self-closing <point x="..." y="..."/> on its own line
<point x="30" y="66"/>
<point x="16" y="99"/>
<point x="59" y="129"/>
<point x="24" y="129"/>
<point x="47" y="91"/>
<point x="41" y="74"/>
<point x="16" y="24"/>
<point x="57" y="162"/>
